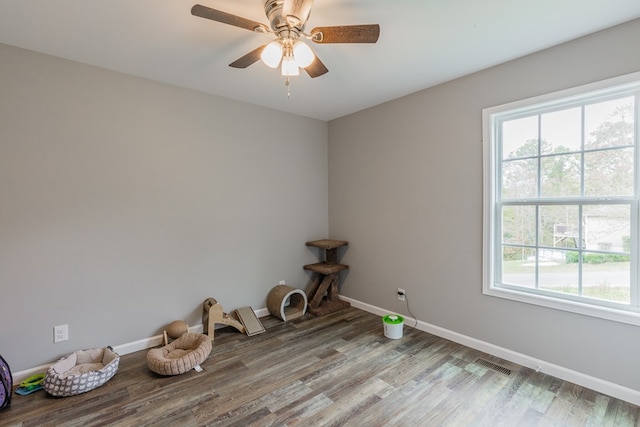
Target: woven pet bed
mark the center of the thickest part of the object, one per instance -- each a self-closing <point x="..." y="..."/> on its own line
<point x="181" y="355"/>
<point x="81" y="371"/>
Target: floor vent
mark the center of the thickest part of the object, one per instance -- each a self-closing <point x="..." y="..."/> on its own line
<point x="494" y="367"/>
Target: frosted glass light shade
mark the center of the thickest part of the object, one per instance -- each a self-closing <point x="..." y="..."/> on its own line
<point x="289" y="66"/>
<point x="271" y="54"/>
<point x="303" y="54"/>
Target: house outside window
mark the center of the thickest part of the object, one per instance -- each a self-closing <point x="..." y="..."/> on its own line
<point x="561" y="200"/>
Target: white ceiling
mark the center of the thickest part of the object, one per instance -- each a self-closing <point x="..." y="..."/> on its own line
<point x="422" y="43"/>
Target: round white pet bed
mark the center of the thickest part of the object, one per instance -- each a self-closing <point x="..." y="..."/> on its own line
<point x="81" y="371"/>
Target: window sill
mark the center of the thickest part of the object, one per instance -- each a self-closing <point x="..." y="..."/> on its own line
<point x="601" y="312"/>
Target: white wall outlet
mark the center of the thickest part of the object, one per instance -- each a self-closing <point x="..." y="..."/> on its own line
<point x="282" y="282"/>
<point x="60" y="333"/>
<point x="401" y="294"/>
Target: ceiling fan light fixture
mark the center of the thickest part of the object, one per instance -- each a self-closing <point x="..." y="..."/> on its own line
<point x="289" y="66"/>
<point x="272" y="54"/>
<point x="302" y="54"/>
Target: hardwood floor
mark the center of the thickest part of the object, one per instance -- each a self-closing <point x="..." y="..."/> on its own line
<point x="329" y="371"/>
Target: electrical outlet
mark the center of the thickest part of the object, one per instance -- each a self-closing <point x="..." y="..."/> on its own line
<point x="282" y="282"/>
<point x="60" y="333"/>
<point x="401" y="294"/>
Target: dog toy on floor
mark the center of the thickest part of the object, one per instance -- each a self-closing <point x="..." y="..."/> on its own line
<point x="30" y="385"/>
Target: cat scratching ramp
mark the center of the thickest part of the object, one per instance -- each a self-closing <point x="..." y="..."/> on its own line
<point x="250" y="321"/>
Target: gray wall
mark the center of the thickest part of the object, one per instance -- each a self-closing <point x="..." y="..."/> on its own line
<point x="124" y="203"/>
<point x="405" y="188"/>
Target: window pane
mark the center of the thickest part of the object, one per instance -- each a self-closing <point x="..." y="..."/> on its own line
<point x="519" y="225"/>
<point x="606" y="277"/>
<point x="562" y="274"/>
<point x="609" y="124"/>
<point x="520" y="138"/>
<point x="520" y="179"/>
<point x="562" y="130"/>
<point x="519" y="266"/>
<point x="560" y="175"/>
<point x="608" y="172"/>
<point x="559" y="226"/>
<point x="607" y="227"/>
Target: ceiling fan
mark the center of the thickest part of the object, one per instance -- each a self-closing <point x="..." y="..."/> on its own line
<point x="287" y="19"/>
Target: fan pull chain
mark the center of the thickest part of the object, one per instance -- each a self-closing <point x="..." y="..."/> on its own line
<point x="288" y="85"/>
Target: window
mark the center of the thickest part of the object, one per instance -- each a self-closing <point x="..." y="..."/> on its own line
<point x="561" y="200"/>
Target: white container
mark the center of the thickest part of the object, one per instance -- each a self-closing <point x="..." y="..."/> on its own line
<point x="393" y="326"/>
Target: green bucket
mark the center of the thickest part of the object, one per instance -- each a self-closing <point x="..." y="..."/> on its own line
<point x="393" y="326"/>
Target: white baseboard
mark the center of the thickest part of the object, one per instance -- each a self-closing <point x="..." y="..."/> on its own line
<point x="123" y="349"/>
<point x="615" y="390"/>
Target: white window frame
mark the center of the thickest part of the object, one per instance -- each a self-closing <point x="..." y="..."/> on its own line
<point x="492" y="241"/>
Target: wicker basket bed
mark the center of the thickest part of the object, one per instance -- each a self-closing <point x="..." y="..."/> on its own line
<point x="181" y="355"/>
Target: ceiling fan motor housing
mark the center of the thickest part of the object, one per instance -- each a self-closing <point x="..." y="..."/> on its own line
<point x="278" y="21"/>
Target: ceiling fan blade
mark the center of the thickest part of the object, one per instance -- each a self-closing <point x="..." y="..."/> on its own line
<point x="296" y="12"/>
<point x="317" y="68"/>
<point x="227" y="18"/>
<point x="346" y="34"/>
<point x="248" y="59"/>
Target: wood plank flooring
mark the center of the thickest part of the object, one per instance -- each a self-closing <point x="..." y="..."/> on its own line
<point x="328" y="371"/>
